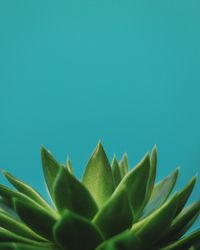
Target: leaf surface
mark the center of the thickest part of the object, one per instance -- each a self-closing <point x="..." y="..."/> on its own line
<point x="71" y="194"/>
<point x="123" y="165"/>
<point x="50" y="168"/>
<point x="27" y="190"/>
<point x="98" y="176"/>
<point x="36" y="217"/>
<point x="157" y="223"/>
<point x="116" y="172"/>
<point x="116" y="215"/>
<point x="135" y="183"/>
<point x="161" y="192"/>
<point x="75" y="232"/>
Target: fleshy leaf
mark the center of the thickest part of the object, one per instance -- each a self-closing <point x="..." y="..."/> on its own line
<point x="75" y="232"/>
<point x="185" y="228"/>
<point x="132" y="183"/>
<point x="184" y="243"/>
<point x="161" y="192"/>
<point x="69" y="166"/>
<point x="152" y="173"/>
<point x="36" y="217"/>
<point x="22" y="246"/>
<point x="7" y="236"/>
<point x="185" y="193"/>
<point x="116" y="215"/>
<point x="98" y="176"/>
<point x="123" y="165"/>
<point x="154" y="226"/>
<point x="71" y="194"/>
<point x="7" y="209"/>
<point x="124" y="241"/>
<point x="27" y="190"/>
<point x="50" y="168"/>
<point x="181" y="221"/>
<point x="17" y="227"/>
<point x="116" y="172"/>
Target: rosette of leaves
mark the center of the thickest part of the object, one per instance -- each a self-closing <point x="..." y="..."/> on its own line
<point x="112" y="208"/>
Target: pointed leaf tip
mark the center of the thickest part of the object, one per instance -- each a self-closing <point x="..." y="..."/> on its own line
<point x="98" y="176"/>
<point x="50" y="168"/>
<point x="135" y="183"/>
<point x="116" y="171"/>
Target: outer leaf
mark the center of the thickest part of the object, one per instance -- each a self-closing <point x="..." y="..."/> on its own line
<point x="22" y="246"/>
<point x="7" y="236"/>
<point x="152" y="173"/>
<point x="69" y="166"/>
<point x="7" y="209"/>
<point x="36" y="217"/>
<point x="71" y="194"/>
<point x="124" y="241"/>
<point x="50" y="168"/>
<point x="115" y="216"/>
<point x="27" y="190"/>
<point x="7" y="246"/>
<point x="135" y="183"/>
<point x="75" y="232"/>
<point x="185" y="193"/>
<point x="98" y="176"/>
<point x="185" y="242"/>
<point x="116" y="172"/>
<point x="17" y="227"/>
<point x="181" y="221"/>
<point x="155" y="225"/>
<point x="123" y="165"/>
<point x="161" y="192"/>
<point x="185" y="228"/>
<point x="9" y="194"/>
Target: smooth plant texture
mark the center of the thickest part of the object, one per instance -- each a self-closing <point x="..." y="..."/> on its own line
<point x="111" y="208"/>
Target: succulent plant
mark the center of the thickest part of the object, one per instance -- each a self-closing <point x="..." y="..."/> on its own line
<point x="112" y="208"/>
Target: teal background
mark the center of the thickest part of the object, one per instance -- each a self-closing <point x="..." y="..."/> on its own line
<point x="73" y="72"/>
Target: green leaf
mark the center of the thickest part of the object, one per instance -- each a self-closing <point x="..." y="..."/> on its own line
<point x="116" y="172"/>
<point x="185" y="193"/>
<point x="75" y="232"/>
<point x="22" y="246"/>
<point x="7" y="236"/>
<point x="36" y="217"/>
<point x="7" y="246"/>
<point x="9" y="194"/>
<point x="7" y="209"/>
<point x="123" y="165"/>
<point x="135" y="182"/>
<point x="27" y="190"/>
<point x="98" y="176"/>
<point x="69" y="166"/>
<point x="181" y="221"/>
<point x="17" y="227"/>
<point x="185" y="242"/>
<point x="50" y="168"/>
<point x="115" y="216"/>
<point x="152" y="173"/>
<point x="71" y="194"/>
<point x="185" y="228"/>
<point x="155" y="225"/>
<point x="124" y="241"/>
<point x="161" y="192"/>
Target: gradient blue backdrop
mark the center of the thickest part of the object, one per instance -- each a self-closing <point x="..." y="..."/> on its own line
<point x="76" y="71"/>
